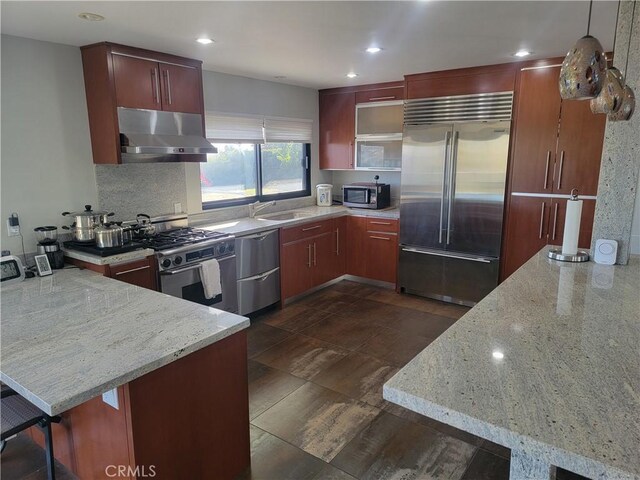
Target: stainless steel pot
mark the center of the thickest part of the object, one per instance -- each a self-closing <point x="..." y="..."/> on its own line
<point x="85" y="222"/>
<point x="108" y="235"/>
<point x="127" y="232"/>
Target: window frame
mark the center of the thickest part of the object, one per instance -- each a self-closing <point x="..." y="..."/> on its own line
<point x="236" y="202"/>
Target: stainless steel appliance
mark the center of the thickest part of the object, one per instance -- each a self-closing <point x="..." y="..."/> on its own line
<point x="48" y="245"/>
<point x="258" y="271"/>
<point x="367" y="195"/>
<point x="85" y="222"/>
<point x="454" y="163"/>
<point x="158" y="136"/>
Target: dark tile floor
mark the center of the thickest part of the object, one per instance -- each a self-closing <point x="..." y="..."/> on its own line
<point x="316" y="370"/>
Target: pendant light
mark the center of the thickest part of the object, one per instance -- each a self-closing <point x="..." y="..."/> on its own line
<point x="628" y="103"/>
<point x="610" y="97"/>
<point x="583" y="69"/>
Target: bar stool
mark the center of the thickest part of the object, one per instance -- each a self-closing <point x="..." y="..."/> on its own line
<point x="18" y="414"/>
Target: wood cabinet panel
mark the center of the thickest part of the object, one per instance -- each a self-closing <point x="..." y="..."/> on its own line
<point x="306" y="230"/>
<point x="323" y="258"/>
<point x="340" y="246"/>
<point x="296" y="275"/>
<point x="526" y="231"/>
<point x="337" y="130"/>
<point x="380" y="95"/>
<point x="536" y="129"/>
<point x="388" y="225"/>
<point x="580" y="140"/>
<point x="356" y="246"/>
<point x="382" y="256"/>
<point x="181" y="88"/>
<point x="464" y="81"/>
<point x="141" y="272"/>
<point x="137" y="83"/>
<point x="558" y="210"/>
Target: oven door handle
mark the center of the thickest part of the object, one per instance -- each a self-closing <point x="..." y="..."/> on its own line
<point x="192" y="267"/>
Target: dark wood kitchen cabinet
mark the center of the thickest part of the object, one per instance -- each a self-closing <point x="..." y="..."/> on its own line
<point x="121" y="76"/>
<point x="372" y="248"/>
<point x="557" y="144"/>
<point x="143" y="272"/>
<point x="538" y="221"/>
<point x="337" y="130"/>
<point x="340" y="246"/>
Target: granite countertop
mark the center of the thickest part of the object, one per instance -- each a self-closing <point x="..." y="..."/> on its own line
<point x="262" y="222"/>
<point x="111" y="259"/>
<point x="548" y="363"/>
<point x="76" y="334"/>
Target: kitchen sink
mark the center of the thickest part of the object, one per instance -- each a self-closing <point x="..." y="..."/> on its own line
<point x="284" y="216"/>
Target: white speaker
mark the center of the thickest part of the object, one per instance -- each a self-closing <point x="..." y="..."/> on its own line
<point x="605" y="251"/>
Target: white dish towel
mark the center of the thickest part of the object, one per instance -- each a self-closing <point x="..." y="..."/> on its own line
<point x="210" y="277"/>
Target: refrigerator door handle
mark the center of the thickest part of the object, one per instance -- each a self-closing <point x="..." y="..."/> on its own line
<point x="452" y="182"/>
<point x="447" y="255"/>
<point x="447" y="141"/>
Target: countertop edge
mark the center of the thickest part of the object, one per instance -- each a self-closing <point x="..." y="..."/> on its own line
<point x="110" y="260"/>
<point x="555" y="456"/>
<point x="122" y="379"/>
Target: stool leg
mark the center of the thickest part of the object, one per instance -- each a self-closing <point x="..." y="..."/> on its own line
<point x="51" y="461"/>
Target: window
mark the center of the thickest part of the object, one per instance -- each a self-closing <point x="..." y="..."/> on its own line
<point x="258" y="159"/>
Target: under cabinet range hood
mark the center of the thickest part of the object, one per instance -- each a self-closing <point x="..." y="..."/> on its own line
<point x="158" y="136"/>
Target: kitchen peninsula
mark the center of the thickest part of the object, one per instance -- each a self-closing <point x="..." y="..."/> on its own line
<point x="179" y="370"/>
<point x="546" y="365"/>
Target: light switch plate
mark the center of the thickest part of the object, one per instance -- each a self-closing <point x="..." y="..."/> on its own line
<point x="111" y="398"/>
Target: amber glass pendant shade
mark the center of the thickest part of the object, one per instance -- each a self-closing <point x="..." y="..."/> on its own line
<point x="610" y="97"/>
<point x="627" y="106"/>
<point x="583" y="70"/>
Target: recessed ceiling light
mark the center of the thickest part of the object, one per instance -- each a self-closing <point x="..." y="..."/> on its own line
<point x="204" y="40"/>
<point x="352" y="75"/>
<point x="497" y="354"/>
<point x="522" y="53"/>
<point x="373" y="49"/>
<point x="91" y="17"/>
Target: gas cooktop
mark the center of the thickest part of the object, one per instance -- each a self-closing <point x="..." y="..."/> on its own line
<point x="180" y="237"/>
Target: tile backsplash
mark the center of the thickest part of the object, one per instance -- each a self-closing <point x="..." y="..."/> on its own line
<point x="141" y="188"/>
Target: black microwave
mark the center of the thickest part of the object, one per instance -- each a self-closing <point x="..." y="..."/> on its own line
<point x="367" y="195"/>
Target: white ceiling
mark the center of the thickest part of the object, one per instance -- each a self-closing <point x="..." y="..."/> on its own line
<point x="314" y="44"/>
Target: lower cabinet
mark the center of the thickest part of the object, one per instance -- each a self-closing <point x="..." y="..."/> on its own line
<point x="372" y="248"/>
<point x="142" y="273"/>
<point x="317" y="252"/>
<point x="534" y="222"/>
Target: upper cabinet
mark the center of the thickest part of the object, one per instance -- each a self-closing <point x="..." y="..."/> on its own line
<point x="557" y="144"/>
<point x="337" y="130"/>
<point x="344" y="148"/>
<point x="120" y="76"/>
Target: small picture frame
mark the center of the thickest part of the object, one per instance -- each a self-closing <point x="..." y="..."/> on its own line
<point x="43" y="266"/>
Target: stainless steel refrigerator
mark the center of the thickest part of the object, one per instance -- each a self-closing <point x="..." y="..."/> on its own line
<point x="454" y="164"/>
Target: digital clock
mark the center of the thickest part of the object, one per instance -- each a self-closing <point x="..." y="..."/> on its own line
<point x="11" y="269"/>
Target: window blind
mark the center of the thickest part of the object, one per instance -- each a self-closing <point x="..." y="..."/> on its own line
<point x="224" y="128"/>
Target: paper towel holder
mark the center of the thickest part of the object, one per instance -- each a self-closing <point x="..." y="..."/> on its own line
<point x="556" y="253"/>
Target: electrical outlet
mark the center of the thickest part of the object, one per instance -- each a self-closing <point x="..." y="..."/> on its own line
<point x="13" y="225"/>
<point x="111" y="398"/>
<point x="177" y="207"/>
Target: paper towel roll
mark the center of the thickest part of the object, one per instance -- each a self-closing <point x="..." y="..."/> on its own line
<point x="571" y="227"/>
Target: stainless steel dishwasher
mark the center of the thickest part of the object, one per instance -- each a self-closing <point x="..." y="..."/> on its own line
<point x="258" y="271"/>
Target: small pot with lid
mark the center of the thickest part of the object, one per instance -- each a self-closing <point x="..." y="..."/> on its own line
<point x="108" y="235"/>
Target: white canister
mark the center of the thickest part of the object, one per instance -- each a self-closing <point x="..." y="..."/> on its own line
<point x="323" y="192"/>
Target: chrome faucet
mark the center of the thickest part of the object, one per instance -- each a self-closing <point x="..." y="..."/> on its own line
<point x="257" y="206"/>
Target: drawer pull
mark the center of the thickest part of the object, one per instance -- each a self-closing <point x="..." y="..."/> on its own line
<point x="379" y="238"/>
<point x="373" y="222"/>
<point x="133" y="270"/>
<point x="388" y="97"/>
<point x="311" y="228"/>
<point x="309" y="248"/>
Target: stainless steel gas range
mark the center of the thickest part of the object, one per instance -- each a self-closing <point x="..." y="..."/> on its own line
<point x="180" y="250"/>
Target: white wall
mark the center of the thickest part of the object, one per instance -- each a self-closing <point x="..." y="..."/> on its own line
<point x="46" y="165"/>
